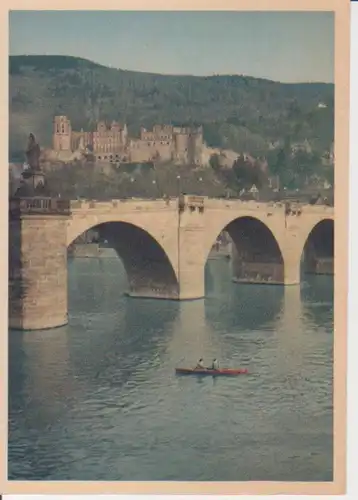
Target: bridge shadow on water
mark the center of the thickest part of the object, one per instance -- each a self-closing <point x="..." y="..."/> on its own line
<point x="234" y="303"/>
<point x="243" y="316"/>
<point x="83" y="356"/>
<point x="246" y="315"/>
<point x="317" y="293"/>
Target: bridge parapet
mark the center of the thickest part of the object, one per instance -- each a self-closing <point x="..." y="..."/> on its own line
<point x="257" y="206"/>
<point x="288" y="207"/>
<point x="298" y="209"/>
<point x="37" y="206"/>
<point x="192" y="202"/>
<point x="324" y="210"/>
<point x="124" y="205"/>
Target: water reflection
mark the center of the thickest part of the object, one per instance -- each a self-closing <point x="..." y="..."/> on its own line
<point x="104" y="390"/>
<point x="91" y="282"/>
<point x="192" y="337"/>
<point x="131" y="335"/>
<point x="244" y="307"/>
<point x="41" y="390"/>
<point x="48" y="380"/>
<point x="317" y="295"/>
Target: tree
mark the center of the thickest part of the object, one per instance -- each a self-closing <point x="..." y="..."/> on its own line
<point x="214" y="162"/>
<point x="329" y="174"/>
<point x="278" y="161"/>
<point x="304" y="165"/>
<point x="249" y="173"/>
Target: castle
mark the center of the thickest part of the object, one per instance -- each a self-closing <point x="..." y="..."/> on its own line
<point x="111" y="143"/>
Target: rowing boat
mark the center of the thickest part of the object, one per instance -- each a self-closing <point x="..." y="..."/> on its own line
<point x="208" y="371"/>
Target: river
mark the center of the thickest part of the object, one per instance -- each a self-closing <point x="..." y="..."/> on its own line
<point x="98" y="399"/>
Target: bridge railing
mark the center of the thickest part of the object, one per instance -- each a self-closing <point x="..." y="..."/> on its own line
<point x="125" y="203"/>
<point x="259" y="205"/>
<point x="58" y="206"/>
<point x="47" y="205"/>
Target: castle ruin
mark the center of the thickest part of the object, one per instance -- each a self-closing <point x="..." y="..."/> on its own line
<point x="111" y="143"/>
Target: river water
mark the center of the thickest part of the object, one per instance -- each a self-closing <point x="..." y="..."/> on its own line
<point x="99" y="399"/>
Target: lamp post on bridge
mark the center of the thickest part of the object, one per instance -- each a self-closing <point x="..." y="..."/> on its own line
<point x="200" y="184"/>
<point x="132" y="185"/>
<point x="160" y="192"/>
<point x="154" y="183"/>
<point x="179" y="193"/>
<point x="178" y="186"/>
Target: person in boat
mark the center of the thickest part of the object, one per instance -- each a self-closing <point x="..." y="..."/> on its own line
<point x="215" y="364"/>
<point x="200" y="364"/>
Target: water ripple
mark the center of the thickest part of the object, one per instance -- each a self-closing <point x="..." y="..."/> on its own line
<point x="99" y="399"/>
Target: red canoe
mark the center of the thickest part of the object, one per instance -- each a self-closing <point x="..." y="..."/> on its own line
<point x="209" y="371"/>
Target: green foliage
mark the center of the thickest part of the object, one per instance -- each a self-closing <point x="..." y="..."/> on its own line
<point x="214" y="162"/>
<point x="329" y="174"/>
<point x="248" y="174"/>
<point x="240" y="113"/>
<point x="295" y="169"/>
<point x="87" y="180"/>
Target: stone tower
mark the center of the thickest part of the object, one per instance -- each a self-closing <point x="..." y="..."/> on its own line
<point x="62" y="133"/>
<point x="195" y="148"/>
<point x="124" y="135"/>
<point x="181" y="145"/>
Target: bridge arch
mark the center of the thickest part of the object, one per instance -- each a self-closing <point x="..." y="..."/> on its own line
<point x="257" y="256"/>
<point x="317" y="253"/>
<point x="148" y="256"/>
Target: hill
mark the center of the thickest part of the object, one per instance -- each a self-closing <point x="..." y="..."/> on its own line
<point x="237" y="112"/>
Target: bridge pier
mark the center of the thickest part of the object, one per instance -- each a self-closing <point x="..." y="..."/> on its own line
<point x="191" y="248"/>
<point x="163" y="245"/>
<point x="37" y="263"/>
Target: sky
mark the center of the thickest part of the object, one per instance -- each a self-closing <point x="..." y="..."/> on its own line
<point x="281" y="46"/>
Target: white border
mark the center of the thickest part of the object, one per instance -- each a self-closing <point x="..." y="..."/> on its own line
<point x="352" y="413"/>
<point x="352" y="390"/>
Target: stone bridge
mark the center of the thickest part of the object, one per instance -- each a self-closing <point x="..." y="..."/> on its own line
<point x="164" y="246"/>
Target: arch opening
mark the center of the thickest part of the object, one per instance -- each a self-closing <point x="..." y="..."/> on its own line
<point x="318" y="251"/>
<point x="148" y="268"/>
<point x="253" y="250"/>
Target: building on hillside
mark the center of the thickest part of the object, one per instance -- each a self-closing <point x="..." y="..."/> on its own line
<point x="111" y="143"/>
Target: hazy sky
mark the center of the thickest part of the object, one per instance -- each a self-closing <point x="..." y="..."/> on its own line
<point x="284" y="46"/>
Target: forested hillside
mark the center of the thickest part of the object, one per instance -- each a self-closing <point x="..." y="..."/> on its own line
<point x="237" y="112"/>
